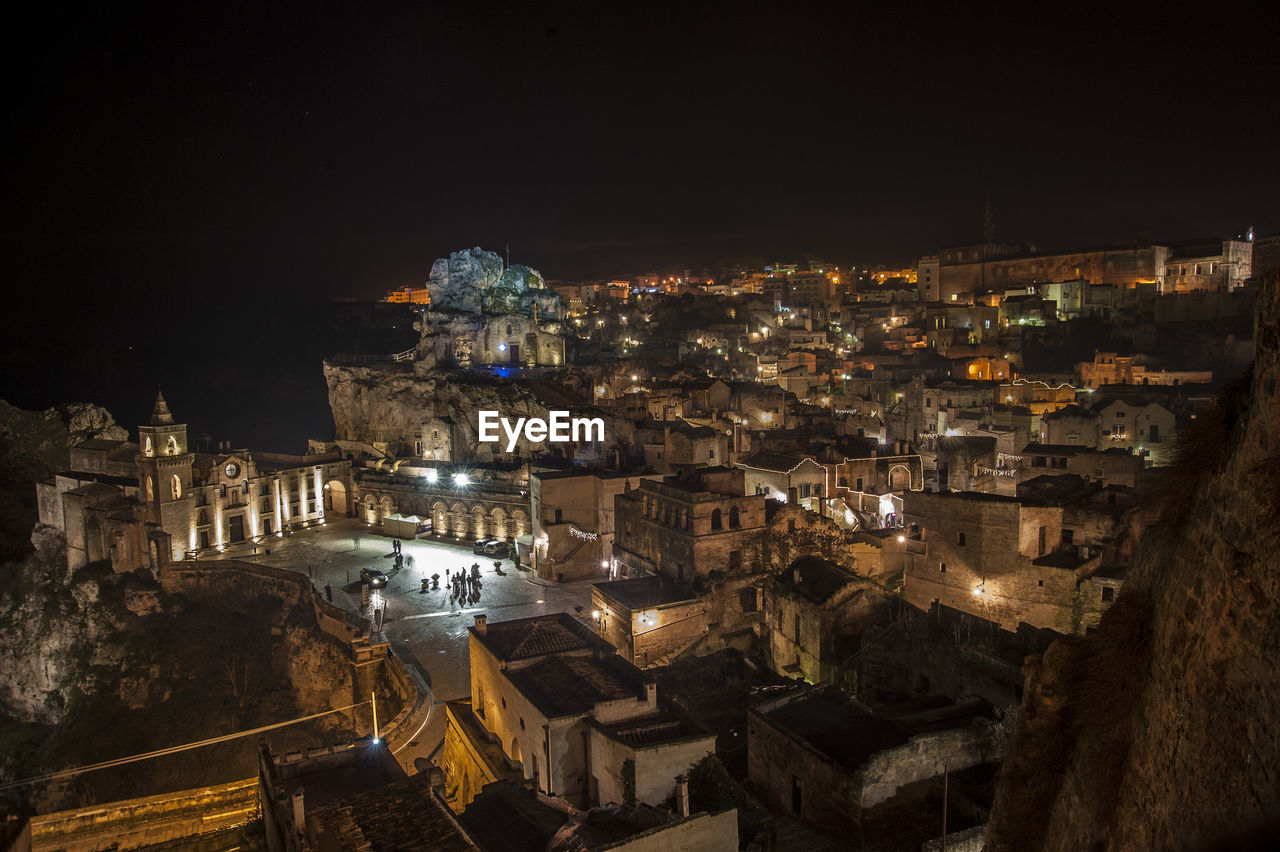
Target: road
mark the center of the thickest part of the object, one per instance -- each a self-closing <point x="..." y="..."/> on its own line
<point x="428" y="631"/>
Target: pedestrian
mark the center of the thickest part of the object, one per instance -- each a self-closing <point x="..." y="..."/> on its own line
<point x="328" y="592"/>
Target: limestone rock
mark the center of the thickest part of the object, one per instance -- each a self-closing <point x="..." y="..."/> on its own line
<point x="88" y="422"/>
<point x="142" y="602"/>
<point x="458" y="281"/>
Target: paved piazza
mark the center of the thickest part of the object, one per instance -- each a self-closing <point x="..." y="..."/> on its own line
<point x="428" y="631"/>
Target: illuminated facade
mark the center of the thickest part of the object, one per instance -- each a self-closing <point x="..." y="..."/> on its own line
<point x="205" y="501"/>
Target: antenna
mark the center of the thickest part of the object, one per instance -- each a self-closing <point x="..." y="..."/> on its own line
<point x="508" y="255"/>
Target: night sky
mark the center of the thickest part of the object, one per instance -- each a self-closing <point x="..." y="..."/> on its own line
<point x="199" y="171"/>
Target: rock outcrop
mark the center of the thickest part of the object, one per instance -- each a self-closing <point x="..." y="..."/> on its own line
<point x="1159" y="731"/>
<point x="33" y="446"/>
<point x="474" y="281"/>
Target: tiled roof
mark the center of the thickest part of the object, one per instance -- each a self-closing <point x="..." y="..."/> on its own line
<point x="567" y="686"/>
<point x="781" y="462"/>
<point x="526" y="638"/>
<point x="397" y="817"/>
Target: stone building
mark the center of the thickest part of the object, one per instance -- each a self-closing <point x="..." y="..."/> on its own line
<point x="1213" y="265"/>
<point x="563" y="710"/>
<point x="1113" y="466"/>
<point x="668" y="445"/>
<point x="1110" y="368"/>
<point x="484" y="315"/>
<point x="965" y="270"/>
<point x="826" y="759"/>
<point x="1034" y="560"/>
<point x="1038" y="397"/>
<point x="464" y="501"/>
<point x="1072" y="425"/>
<point x="813" y="613"/>
<point x="685" y="527"/>
<point x="792" y="479"/>
<point x="573" y="526"/>
<point x="508" y="817"/>
<point x="1138" y="424"/>
<point x="187" y="502"/>
<point x="649" y="620"/>
<point x="336" y="797"/>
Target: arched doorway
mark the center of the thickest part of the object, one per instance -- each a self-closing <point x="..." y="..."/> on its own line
<point x="899" y="478"/>
<point x="477" y="521"/>
<point x="335" y="498"/>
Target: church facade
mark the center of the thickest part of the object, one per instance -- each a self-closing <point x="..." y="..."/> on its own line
<point x="176" y="504"/>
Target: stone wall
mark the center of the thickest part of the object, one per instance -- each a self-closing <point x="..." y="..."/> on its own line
<point x="135" y="823"/>
<point x="701" y="831"/>
<point x="828" y="792"/>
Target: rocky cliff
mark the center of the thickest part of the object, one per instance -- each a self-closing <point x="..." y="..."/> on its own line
<point x="1159" y="730"/>
<point x="96" y="665"/>
<point x="33" y="446"/>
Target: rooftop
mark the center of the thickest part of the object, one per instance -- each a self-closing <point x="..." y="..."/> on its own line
<point x="654" y="730"/>
<point x="815" y="578"/>
<point x="397" y="817"/>
<point x="537" y="636"/>
<point x="849" y="733"/>
<point x="643" y="592"/>
<point x="781" y="462"/>
<point x="569" y="686"/>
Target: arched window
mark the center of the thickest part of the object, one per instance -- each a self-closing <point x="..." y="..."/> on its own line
<point x="716" y="520"/>
<point x="150" y="450"/>
<point x="151" y="486"/>
<point x="734" y="521"/>
<point x="171" y="447"/>
<point x="175" y="486"/>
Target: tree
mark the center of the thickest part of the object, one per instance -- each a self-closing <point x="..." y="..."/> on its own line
<point x="712" y="789"/>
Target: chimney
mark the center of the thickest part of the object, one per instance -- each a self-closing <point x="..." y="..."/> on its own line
<point x="299" y="812"/>
<point x="482" y="624"/>
<point x="682" y="795"/>
<point x="437" y="780"/>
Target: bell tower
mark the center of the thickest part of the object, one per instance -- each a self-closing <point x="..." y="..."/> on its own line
<point x="165" y="476"/>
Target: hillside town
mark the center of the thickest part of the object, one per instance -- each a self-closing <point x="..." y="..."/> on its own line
<point x="783" y="597"/>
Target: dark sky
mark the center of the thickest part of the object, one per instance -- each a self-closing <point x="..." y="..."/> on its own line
<point x="339" y="148"/>
<point x="173" y="167"/>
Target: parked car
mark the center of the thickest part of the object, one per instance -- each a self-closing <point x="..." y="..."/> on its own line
<point x="481" y="544"/>
<point x="375" y="578"/>
<point x="497" y="548"/>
